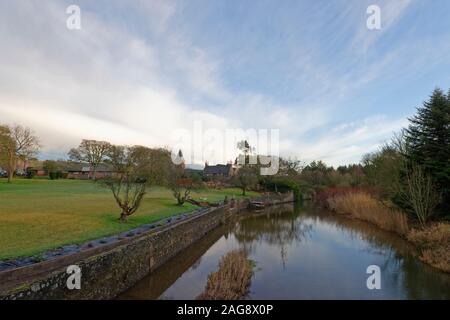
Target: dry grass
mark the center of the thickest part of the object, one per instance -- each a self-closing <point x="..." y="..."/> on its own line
<point x="322" y="196"/>
<point x="364" y="207"/>
<point x="433" y="243"/>
<point x="231" y="281"/>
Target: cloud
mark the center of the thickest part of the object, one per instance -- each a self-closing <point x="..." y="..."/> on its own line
<point x="99" y="83"/>
<point x="346" y="142"/>
<point x="137" y="72"/>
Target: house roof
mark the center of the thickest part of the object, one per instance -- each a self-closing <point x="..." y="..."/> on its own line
<point x="222" y="169"/>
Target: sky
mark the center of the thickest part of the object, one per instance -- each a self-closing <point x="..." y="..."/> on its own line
<point x="137" y="72"/>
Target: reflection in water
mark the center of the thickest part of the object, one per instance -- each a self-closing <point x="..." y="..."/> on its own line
<point x="277" y="226"/>
<point x="301" y="253"/>
<point x="152" y="286"/>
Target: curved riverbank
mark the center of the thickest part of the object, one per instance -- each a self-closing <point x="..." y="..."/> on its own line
<point x="432" y="242"/>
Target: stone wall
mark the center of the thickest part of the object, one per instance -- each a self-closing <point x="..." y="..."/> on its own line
<point x="104" y="275"/>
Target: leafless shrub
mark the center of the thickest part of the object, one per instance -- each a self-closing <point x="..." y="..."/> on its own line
<point x="433" y="243"/>
<point x="232" y="280"/>
<point x="420" y="194"/>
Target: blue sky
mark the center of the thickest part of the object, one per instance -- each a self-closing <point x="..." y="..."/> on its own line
<point x="139" y="70"/>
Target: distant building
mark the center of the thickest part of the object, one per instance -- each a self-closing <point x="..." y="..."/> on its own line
<point x="77" y="170"/>
<point x="38" y="171"/>
<point x="218" y="171"/>
<point x="82" y="171"/>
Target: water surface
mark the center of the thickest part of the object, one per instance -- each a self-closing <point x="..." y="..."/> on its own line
<point x="300" y="253"/>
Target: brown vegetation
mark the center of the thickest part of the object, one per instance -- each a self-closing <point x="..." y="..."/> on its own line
<point x="420" y="193"/>
<point x="364" y="207"/>
<point x="16" y="143"/>
<point x="232" y="280"/>
<point x="323" y="195"/>
<point x="433" y="243"/>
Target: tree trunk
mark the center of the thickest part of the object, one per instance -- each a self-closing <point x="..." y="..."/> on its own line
<point x="11" y="168"/>
<point x="243" y="191"/>
<point x="123" y="216"/>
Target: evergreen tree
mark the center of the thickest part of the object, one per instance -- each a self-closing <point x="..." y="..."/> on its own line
<point x="428" y="142"/>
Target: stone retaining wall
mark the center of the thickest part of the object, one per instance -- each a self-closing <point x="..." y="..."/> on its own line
<point x="104" y="275"/>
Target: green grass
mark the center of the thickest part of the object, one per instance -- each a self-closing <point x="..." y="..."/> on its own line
<point x="37" y="215"/>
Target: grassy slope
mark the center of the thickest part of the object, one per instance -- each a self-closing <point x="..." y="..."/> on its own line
<point x="36" y="215"/>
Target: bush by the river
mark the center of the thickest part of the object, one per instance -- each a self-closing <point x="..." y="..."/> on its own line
<point x="232" y="280"/>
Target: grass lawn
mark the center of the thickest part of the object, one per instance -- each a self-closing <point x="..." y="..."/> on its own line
<point x="37" y="215"/>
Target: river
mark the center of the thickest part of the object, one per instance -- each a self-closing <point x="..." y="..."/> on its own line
<point x="300" y="253"/>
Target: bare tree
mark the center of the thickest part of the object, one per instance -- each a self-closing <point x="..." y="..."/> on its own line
<point x="130" y="183"/>
<point x="6" y="143"/>
<point x="246" y="177"/>
<point x="178" y="181"/>
<point x="92" y="152"/>
<point x="420" y="193"/>
<point x="181" y="190"/>
<point x="290" y="166"/>
<point x="179" y="184"/>
<point x="247" y="174"/>
<point x="245" y="147"/>
<point x="17" y="142"/>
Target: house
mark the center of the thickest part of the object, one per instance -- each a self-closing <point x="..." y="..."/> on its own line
<point x="218" y="171"/>
<point x="83" y="171"/>
<point x="38" y="171"/>
<point x="76" y="170"/>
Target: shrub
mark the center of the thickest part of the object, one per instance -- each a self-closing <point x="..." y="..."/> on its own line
<point x="284" y="185"/>
<point x="323" y="195"/>
<point x="365" y="207"/>
<point x="420" y="194"/>
<point x="53" y="175"/>
<point x="31" y="174"/>
<point x="433" y="243"/>
<point x="59" y="174"/>
<point x="232" y="280"/>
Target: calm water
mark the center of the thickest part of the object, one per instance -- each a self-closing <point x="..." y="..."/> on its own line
<point x="300" y="253"/>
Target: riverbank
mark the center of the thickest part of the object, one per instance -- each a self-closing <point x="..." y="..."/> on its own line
<point x="431" y="242"/>
<point x="109" y="270"/>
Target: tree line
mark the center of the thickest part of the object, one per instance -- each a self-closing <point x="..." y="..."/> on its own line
<point x="135" y="169"/>
<point x="16" y="143"/>
<point x="411" y="171"/>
